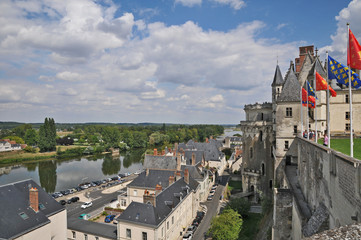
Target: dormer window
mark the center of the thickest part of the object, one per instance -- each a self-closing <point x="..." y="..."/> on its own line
<point x="23" y="215"/>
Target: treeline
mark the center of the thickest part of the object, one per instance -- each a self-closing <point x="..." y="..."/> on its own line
<point x="104" y="137"/>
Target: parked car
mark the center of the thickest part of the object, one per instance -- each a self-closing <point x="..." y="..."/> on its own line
<point x="210" y="197"/>
<point x="200" y="214"/>
<point x="84" y="216"/>
<point x="121" y="175"/>
<point x="69" y="201"/>
<point x="192" y="228"/>
<point x="59" y="194"/>
<point x="74" y="199"/>
<point x="212" y="192"/>
<point x="86" y="205"/>
<point x="187" y="236"/>
<point x="109" y="218"/>
<point x="62" y="202"/>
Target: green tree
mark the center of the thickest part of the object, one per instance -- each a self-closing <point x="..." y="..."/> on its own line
<point x="21" y="130"/>
<point x="158" y="139"/>
<point x="111" y="137"/>
<point x="17" y="139"/>
<point x="127" y="137"/>
<point x="31" y="137"/>
<point x="47" y="135"/>
<point x="226" y="226"/>
<point x="241" y="205"/>
<point x="140" y="139"/>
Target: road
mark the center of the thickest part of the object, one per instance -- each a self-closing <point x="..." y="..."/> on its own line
<point x="212" y="207"/>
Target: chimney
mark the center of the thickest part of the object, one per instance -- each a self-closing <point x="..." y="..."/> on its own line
<point x="207" y="140"/>
<point x="193" y="159"/>
<point x="158" y="189"/>
<point x="178" y="175"/>
<point x="163" y="152"/>
<point x="34" y="199"/>
<point x="147" y="172"/>
<point x="148" y="198"/>
<point x="171" y="180"/>
<point x="186" y="176"/>
<point x="178" y="161"/>
<point x="211" y="137"/>
<point x="155" y="153"/>
<point x="175" y="147"/>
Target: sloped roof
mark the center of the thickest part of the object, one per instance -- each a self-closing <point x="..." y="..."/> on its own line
<point x="146" y="214"/>
<point x="318" y="65"/>
<point x="277" y="79"/>
<point x="160" y="162"/>
<point x="14" y="199"/>
<point x="188" y="156"/>
<point x="108" y="231"/>
<point x="291" y="88"/>
<point x="210" y="149"/>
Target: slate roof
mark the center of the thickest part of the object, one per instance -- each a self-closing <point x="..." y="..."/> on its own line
<point x="97" y="229"/>
<point x="188" y="156"/>
<point x="210" y="149"/>
<point x="14" y="199"/>
<point x="291" y="88"/>
<point x="146" y="214"/>
<point x="160" y="162"/>
<point x="318" y="65"/>
<point x="161" y="177"/>
<point x="277" y="79"/>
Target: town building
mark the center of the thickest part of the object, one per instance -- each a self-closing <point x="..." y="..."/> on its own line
<point x="28" y="212"/>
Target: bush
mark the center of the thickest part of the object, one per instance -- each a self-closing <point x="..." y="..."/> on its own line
<point x="240" y="205"/>
<point x="105" y="213"/>
<point x="30" y="149"/>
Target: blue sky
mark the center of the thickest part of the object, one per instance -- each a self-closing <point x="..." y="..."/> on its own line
<point x="173" y="61"/>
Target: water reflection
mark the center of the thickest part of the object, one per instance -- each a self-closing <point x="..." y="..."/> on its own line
<point x="47" y="175"/>
<point x="56" y="175"/>
<point x="111" y="165"/>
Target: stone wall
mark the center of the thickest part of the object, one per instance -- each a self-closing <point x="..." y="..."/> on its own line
<point x="330" y="178"/>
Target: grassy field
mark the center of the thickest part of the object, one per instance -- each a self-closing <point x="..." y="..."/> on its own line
<point x="234" y="185"/>
<point x="343" y="145"/>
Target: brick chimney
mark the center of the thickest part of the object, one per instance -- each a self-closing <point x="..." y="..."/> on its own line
<point x="178" y="161"/>
<point x="186" y="176"/>
<point x="171" y="180"/>
<point x="193" y="159"/>
<point x="147" y="172"/>
<point x="175" y="147"/>
<point x="155" y="153"/>
<point x="178" y="175"/>
<point x="163" y="152"/>
<point x="34" y="199"/>
<point x="207" y="141"/>
<point x="149" y="198"/>
<point x="211" y="137"/>
<point x="158" y="189"/>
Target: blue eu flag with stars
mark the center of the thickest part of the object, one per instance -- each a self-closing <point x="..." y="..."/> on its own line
<point x="338" y="71"/>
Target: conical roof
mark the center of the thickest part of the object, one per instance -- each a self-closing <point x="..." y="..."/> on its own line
<point x="277" y="79"/>
<point x="291" y="88"/>
<point x="319" y="68"/>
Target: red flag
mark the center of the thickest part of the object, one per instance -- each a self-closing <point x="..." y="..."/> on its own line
<point x="321" y="84"/>
<point x="311" y="100"/>
<point x="354" y="52"/>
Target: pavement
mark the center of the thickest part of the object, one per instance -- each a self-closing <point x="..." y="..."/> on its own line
<point x="213" y="207"/>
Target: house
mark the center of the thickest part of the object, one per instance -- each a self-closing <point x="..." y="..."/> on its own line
<point x="164" y="213"/>
<point x="28" y="212"/>
<point x="5" y="146"/>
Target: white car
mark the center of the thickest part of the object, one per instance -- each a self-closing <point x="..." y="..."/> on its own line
<point x="187" y="236"/>
<point x="86" y="205"/>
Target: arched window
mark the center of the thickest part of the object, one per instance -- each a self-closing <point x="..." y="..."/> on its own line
<point x="261" y="136"/>
<point x="263" y="169"/>
<point x="251" y="152"/>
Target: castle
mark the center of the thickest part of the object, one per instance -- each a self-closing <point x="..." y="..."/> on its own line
<point x="314" y="188"/>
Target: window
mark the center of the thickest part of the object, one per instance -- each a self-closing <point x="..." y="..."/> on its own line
<point x="135" y="193"/>
<point x="123" y="202"/>
<point x="347" y="127"/>
<point x="167" y="225"/>
<point x="262" y="169"/>
<point x="260" y="136"/>
<point x="261" y="116"/>
<point x="144" y="236"/>
<point x="23" y="215"/>
<point x="74" y="234"/>
<point x="270" y="183"/>
<point x="96" y="238"/>
<point x="85" y="236"/>
<point x="172" y="219"/>
<point x="295" y="129"/>
<point x="347" y="99"/>
<point x="41" y="206"/>
<point x="347" y="115"/>
<point x="162" y="231"/>
<point x="286" y="145"/>
<point x="288" y="112"/>
<point x="251" y="152"/>
<point x="129" y="233"/>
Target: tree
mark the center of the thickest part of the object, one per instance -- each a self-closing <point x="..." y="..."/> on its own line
<point x="111" y="136"/>
<point x="226" y="226"/>
<point x="31" y="137"/>
<point x="21" y="130"/>
<point x="241" y="205"/>
<point x="17" y="139"/>
<point x="47" y="135"/>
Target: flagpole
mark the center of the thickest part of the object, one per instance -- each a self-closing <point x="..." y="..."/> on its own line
<point x="315" y="89"/>
<point x="349" y="90"/>
<point x="328" y="105"/>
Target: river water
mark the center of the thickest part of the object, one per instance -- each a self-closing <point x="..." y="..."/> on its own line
<point x="57" y="175"/>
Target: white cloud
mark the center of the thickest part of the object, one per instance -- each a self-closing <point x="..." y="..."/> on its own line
<point x="88" y="66"/>
<point x="281" y="25"/>
<point x="350" y="14"/>
<point x="189" y="3"/>
<point x="235" y="4"/>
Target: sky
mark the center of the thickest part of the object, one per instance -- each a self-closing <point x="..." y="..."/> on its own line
<point x="163" y="61"/>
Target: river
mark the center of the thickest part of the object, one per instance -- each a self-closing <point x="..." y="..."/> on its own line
<point x="57" y="175"/>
